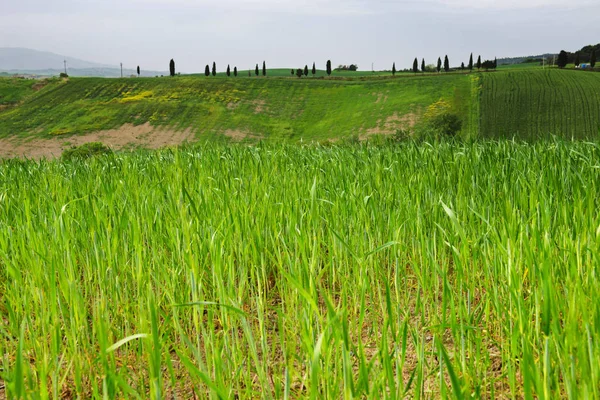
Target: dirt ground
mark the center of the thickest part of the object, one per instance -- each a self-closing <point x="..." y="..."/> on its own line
<point x="126" y="136"/>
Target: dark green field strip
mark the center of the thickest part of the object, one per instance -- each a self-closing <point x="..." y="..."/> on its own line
<point x="271" y="108"/>
<point x="540" y="103"/>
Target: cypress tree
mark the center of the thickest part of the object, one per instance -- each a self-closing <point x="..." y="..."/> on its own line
<point x="415" y="66"/>
<point x="306" y="70"/>
<point x="328" y="67"/>
<point x="446" y="64"/>
<point x="228" y="70"/>
<point x="462" y="66"/>
<point x="471" y="62"/>
<point x="423" y="65"/>
<point x="439" y="65"/>
<point x="256" y="70"/>
<point x="394" y="69"/>
<point x="172" y="67"/>
<point x="314" y="70"/>
<point x="138" y="70"/>
<point x="293" y="72"/>
<point x="495" y="63"/>
<point x="264" y="69"/>
<point x="235" y="71"/>
<point x="207" y="70"/>
<point x="593" y="58"/>
<point x="479" y="62"/>
<point x="577" y="61"/>
<point x="563" y="59"/>
<point x="214" y="70"/>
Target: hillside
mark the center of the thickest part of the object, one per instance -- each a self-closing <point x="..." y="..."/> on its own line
<point x="532" y="104"/>
<point x="273" y="108"/>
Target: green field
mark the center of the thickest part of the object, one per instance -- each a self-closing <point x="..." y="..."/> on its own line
<point x="272" y="108"/>
<point x="533" y="104"/>
<point x="277" y="271"/>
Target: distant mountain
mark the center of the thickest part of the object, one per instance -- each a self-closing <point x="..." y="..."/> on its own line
<point x="42" y="63"/>
<point x="520" y="60"/>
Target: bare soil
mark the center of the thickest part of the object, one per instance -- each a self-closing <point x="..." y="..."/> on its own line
<point x="128" y="135"/>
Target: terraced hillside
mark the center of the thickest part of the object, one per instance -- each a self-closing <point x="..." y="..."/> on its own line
<point x="272" y="108"/>
<point x="532" y="104"/>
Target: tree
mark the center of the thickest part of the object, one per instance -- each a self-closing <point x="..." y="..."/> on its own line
<point x="423" y="65"/>
<point x="235" y="71"/>
<point x="439" y="65"/>
<point x="488" y="64"/>
<point x="328" y="67"/>
<point x="394" y="69"/>
<point x="138" y="70"/>
<point x="314" y="70"/>
<point x="172" y="67"/>
<point x="446" y="64"/>
<point x="214" y="70"/>
<point x="593" y="59"/>
<point x="563" y="59"/>
<point x="306" y="70"/>
<point x="462" y="66"/>
<point x="577" y="60"/>
<point x="415" y="66"/>
<point x="471" y="62"/>
<point x="495" y="63"/>
<point x="256" y="70"/>
<point x="228" y="70"/>
<point x="479" y="62"/>
<point x="293" y="72"/>
<point x="264" y="71"/>
<point x="207" y="70"/>
<point x="299" y="72"/>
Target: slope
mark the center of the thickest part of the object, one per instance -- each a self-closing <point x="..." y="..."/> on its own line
<point x="533" y="104"/>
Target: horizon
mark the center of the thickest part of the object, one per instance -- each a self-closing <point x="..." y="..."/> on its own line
<point x="289" y="34"/>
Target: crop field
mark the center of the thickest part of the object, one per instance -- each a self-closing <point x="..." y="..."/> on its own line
<point x="278" y="271"/>
<point x="533" y="104"/>
<point x="272" y="108"/>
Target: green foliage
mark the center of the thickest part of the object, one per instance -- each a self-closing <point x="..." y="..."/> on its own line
<point x="394" y="69"/>
<point x="299" y="72"/>
<point x="446" y="64"/>
<point x="328" y="67"/>
<point x="214" y="69"/>
<point x="439" y="65"/>
<point x="264" y="68"/>
<point x="418" y="270"/>
<point x="593" y="59"/>
<point x="228" y="71"/>
<point x="563" y="59"/>
<point x="314" y="70"/>
<point x="423" y="66"/>
<point x="306" y="70"/>
<point x="471" y="62"/>
<point x="235" y="71"/>
<point x="479" y="62"/>
<point x="536" y="103"/>
<point x="14" y="91"/>
<point x="207" y="70"/>
<point x="256" y="70"/>
<point x="415" y="67"/>
<point x="85" y="151"/>
<point x="62" y="75"/>
<point x="442" y="119"/>
<point x="488" y="64"/>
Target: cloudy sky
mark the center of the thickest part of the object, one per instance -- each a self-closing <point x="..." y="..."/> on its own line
<point x="289" y="33"/>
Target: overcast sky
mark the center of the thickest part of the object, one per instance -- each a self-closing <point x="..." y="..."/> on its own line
<point x="292" y="33"/>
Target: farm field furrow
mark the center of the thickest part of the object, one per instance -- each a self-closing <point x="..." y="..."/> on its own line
<point x="278" y="271"/>
<point x="534" y="104"/>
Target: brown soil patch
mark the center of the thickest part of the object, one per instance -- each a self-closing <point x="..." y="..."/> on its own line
<point x="39" y="85"/>
<point x="259" y="106"/>
<point x="239" y="135"/>
<point x="392" y="124"/>
<point x="126" y="136"/>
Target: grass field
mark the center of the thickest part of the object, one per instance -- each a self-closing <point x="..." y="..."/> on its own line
<point x="419" y="271"/>
<point x="538" y="103"/>
<point x="275" y="108"/>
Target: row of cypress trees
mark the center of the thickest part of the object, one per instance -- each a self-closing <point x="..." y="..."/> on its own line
<point x="299" y="72"/>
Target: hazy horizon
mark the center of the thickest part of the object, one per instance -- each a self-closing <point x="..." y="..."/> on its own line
<point x="288" y="33"/>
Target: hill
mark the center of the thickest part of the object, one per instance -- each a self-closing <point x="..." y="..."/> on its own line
<point x="535" y="103"/>
<point x="43" y="63"/>
<point x="220" y="108"/>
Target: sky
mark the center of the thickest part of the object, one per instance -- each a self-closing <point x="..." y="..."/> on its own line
<point x="292" y="33"/>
